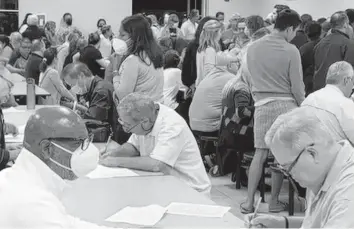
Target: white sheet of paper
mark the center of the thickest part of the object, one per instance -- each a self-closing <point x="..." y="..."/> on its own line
<point x="106" y="172"/>
<point x="12" y="110"/>
<point x="197" y="210"/>
<point x="21" y="129"/>
<point x="145" y="216"/>
<point x="11" y="139"/>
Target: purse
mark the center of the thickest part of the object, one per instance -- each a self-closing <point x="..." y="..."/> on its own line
<point x="100" y="130"/>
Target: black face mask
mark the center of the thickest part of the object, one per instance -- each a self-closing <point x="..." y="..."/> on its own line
<point x="69" y="21"/>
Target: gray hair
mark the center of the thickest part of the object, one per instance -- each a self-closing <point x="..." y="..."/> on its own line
<point x="338" y="20"/>
<point x="339" y="72"/>
<point x="296" y="130"/>
<point x="32" y="20"/>
<point x="137" y="105"/>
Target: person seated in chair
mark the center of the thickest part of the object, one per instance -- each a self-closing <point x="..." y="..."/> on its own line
<point x="97" y="93"/>
<point x="161" y="142"/>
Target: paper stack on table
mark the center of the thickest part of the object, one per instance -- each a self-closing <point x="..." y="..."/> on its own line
<point x="145" y="216"/>
<point x="197" y="210"/>
<point x="12" y="110"/>
<point x="106" y="172"/>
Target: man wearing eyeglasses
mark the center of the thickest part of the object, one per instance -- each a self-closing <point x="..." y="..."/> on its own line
<point x="161" y="142"/>
<point x="57" y="149"/>
<point x="308" y="151"/>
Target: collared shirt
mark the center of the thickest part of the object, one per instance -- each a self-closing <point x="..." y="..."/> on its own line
<point x="188" y="29"/>
<point x="30" y="197"/>
<point x="333" y="205"/>
<point x="340" y="118"/>
<point x="172" y="84"/>
<point x="172" y="142"/>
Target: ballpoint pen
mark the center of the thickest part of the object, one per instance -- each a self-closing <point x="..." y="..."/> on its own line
<point x="256" y="210"/>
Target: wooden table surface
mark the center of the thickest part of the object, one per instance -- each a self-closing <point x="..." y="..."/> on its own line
<point x="96" y="200"/>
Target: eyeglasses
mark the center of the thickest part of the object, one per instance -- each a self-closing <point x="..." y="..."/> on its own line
<point x="130" y="128"/>
<point x="84" y="142"/>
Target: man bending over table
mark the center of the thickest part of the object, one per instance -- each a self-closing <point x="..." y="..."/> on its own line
<point x="161" y="142"/>
<point x="307" y="150"/>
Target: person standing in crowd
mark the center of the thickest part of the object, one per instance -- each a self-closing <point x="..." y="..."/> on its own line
<point x="350" y="14"/>
<point x="15" y="40"/>
<point x="273" y="16"/>
<point x="24" y="24"/>
<point x="142" y="68"/>
<point x="18" y="60"/>
<point x="190" y="26"/>
<point x="220" y="16"/>
<point x="50" y="80"/>
<point x="65" y="49"/>
<point x="172" y="79"/>
<point x="65" y="27"/>
<point x="106" y="41"/>
<point x="100" y="23"/>
<point x="51" y="39"/>
<point x="334" y="47"/>
<point x="7" y="153"/>
<point x="73" y="40"/>
<point x="161" y="142"/>
<point x="6" y="48"/>
<point x="171" y="28"/>
<point x="209" y="53"/>
<point x="313" y="31"/>
<point x="335" y="100"/>
<point x="189" y="69"/>
<point x="307" y="151"/>
<point x="301" y="38"/>
<point x="277" y="87"/>
<point x="228" y="36"/>
<point x="92" y="57"/>
<point x="154" y="25"/>
<point x="34" y="60"/>
<point x="33" y="32"/>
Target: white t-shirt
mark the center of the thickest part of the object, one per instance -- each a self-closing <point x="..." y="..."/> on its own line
<point x="30" y="197"/>
<point x="172" y="84"/>
<point x="105" y="47"/>
<point x="172" y="142"/>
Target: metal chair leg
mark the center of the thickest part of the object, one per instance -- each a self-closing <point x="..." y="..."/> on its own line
<point x="262" y="185"/>
<point x="291" y="200"/>
<point x="238" y="171"/>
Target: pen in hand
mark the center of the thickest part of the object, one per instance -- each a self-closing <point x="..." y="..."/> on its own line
<point x="107" y="143"/>
<point x="255" y="210"/>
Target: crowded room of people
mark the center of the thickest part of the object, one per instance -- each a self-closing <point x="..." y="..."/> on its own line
<point x="191" y="114"/>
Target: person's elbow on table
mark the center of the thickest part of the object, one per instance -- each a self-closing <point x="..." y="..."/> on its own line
<point x="271" y="221"/>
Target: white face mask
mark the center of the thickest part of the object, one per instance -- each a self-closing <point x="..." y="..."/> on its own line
<point x="119" y="46"/>
<point x="175" y="25"/>
<point x="82" y="162"/>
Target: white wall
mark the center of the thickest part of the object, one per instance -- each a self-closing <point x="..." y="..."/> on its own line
<point x="243" y="7"/>
<point x="317" y="8"/>
<point x="85" y="12"/>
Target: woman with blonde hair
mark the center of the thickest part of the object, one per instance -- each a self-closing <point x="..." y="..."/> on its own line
<point x="209" y="54"/>
<point x="171" y="28"/>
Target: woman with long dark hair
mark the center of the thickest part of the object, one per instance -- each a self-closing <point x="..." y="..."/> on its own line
<point x="6" y="48"/>
<point x="141" y="70"/>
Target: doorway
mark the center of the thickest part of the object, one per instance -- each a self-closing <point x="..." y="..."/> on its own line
<point x="161" y="7"/>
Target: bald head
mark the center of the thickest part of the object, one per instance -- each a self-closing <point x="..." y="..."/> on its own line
<point x="339" y="20"/>
<point x="52" y="123"/>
